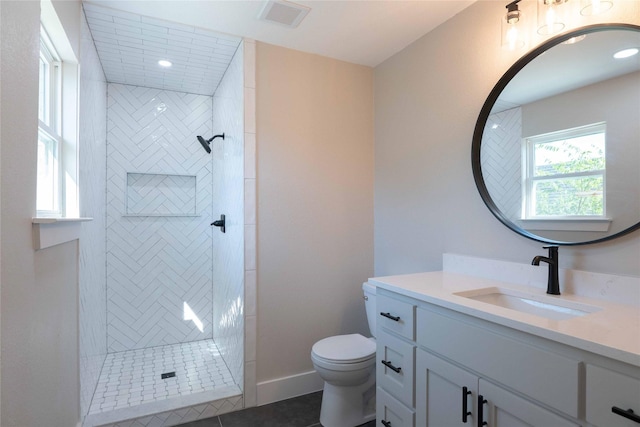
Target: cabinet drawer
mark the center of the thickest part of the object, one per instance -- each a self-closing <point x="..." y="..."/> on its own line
<point x="606" y="389"/>
<point x="391" y="411"/>
<point x="396" y="316"/>
<point x="395" y="367"/>
<point x="545" y="376"/>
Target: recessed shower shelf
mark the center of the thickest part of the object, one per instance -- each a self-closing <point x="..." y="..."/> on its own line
<point x="161" y="195"/>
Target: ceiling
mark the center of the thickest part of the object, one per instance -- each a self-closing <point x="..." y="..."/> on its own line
<point x="567" y="67"/>
<point x="203" y="35"/>
<point x="129" y="47"/>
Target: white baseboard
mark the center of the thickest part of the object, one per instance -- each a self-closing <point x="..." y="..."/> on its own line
<point x="288" y="387"/>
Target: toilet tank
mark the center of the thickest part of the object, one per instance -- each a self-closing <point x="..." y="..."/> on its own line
<point x="370" y="305"/>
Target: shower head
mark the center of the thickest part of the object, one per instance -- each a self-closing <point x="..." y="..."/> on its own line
<point x="206" y="143"/>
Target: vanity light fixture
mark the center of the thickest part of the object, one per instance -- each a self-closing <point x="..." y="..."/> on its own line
<point x="626" y="53"/>
<point x="551" y="16"/>
<point x="164" y="63"/>
<point x="595" y="7"/>
<point x="512" y="33"/>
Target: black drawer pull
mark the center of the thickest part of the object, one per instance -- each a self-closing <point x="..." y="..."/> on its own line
<point x="386" y="423"/>
<point x="390" y="366"/>
<point x="389" y="316"/>
<point x="481" y="402"/>
<point x="465" y="409"/>
<point x="628" y="414"/>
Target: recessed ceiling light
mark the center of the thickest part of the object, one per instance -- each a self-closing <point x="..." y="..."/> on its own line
<point x="164" y="63"/>
<point x="625" y="53"/>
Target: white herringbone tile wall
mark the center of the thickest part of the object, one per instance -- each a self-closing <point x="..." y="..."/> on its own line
<point x="501" y="160"/>
<point x="228" y="248"/>
<point x="92" y="170"/>
<point x="158" y="267"/>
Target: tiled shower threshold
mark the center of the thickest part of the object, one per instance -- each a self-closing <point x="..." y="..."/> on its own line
<point x="133" y="391"/>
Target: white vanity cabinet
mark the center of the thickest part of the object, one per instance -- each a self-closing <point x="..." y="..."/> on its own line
<point x="479" y="364"/>
<point x="437" y="367"/>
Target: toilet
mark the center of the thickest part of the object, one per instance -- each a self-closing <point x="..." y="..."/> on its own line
<point x="346" y="363"/>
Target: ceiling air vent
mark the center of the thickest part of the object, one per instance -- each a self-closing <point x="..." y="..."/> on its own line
<point x="283" y="13"/>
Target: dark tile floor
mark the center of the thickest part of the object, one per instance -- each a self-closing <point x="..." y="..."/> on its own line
<point x="302" y="411"/>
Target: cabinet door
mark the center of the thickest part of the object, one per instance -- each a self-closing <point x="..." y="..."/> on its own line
<point x="441" y="400"/>
<point x="505" y="409"/>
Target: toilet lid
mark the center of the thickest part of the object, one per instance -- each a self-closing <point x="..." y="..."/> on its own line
<point x="345" y="348"/>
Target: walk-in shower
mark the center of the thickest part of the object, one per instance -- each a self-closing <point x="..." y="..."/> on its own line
<point x="167" y="344"/>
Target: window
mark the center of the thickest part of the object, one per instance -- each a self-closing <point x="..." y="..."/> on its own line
<point x="50" y="142"/>
<point x="564" y="174"/>
<point x="57" y="204"/>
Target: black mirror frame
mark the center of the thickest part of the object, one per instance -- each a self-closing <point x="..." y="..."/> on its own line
<point x="484" y="116"/>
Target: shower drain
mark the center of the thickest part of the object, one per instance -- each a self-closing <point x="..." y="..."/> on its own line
<point x="168" y="375"/>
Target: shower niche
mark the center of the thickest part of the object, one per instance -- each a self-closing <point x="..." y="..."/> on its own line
<point x="152" y="194"/>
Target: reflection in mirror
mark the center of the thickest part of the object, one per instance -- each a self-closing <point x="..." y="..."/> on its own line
<point x="556" y="150"/>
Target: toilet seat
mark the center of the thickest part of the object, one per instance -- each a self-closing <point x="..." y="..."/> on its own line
<point x="352" y="349"/>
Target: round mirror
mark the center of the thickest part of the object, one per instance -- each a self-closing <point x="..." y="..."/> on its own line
<point x="556" y="148"/>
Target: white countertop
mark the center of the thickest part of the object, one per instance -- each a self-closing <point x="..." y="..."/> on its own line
<point x="613" y="331"/>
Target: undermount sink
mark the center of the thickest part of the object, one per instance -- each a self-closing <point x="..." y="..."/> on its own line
<point x="539" y="305"/>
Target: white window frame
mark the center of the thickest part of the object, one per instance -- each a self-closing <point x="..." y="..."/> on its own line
<point x="529" y="180"/>
<point x="52" y="228"/>
<point x="50" y="126"/>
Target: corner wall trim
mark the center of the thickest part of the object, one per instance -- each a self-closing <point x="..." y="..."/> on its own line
<point x="288" y="387"/>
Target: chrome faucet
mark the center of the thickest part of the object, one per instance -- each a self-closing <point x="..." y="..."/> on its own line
<point x="553" y="284"/>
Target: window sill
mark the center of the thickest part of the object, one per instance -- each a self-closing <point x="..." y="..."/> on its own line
<point x="49" y="232"/>
<point x="569" y="224"/>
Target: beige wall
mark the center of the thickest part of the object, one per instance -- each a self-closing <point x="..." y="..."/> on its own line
<point x="427" y="99"/>
<point x="315" y="203"/>
<point x="39" y="293"/>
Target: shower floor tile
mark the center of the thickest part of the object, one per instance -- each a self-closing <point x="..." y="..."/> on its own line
<point x="134" y="378"/>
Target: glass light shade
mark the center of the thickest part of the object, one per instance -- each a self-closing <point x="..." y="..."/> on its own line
<point x="594" y="7"/>
<point x="551" y="16"/>
<point x="513" y="32"/>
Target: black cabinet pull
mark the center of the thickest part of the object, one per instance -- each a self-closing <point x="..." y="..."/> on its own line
<point x="386" y="423"/>
<point x="481" y="402"/>
<point x="465" y="410"/>
<point x="628" y="414"/>
<point x="390" y="366"/>
<point x="389" y="316"/>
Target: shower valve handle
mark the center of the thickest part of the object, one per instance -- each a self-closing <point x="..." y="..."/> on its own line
<point x="220" y="223"/>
